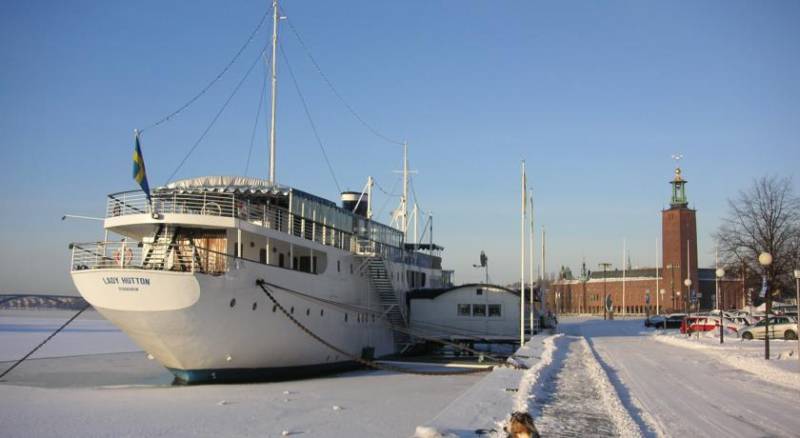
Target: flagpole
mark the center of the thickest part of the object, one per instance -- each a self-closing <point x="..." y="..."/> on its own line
<point x="522" y="263"/>
<point x="530" y="272"/>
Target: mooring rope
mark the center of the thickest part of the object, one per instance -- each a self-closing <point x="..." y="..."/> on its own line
<point x="404" y="330"/>
<point x="369" y="363"/>
<point x="45" y="341"/>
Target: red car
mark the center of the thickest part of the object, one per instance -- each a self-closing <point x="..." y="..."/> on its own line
<point x="693" y="324"/>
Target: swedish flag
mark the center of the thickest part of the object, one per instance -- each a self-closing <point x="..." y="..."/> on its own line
<point x="139" y="173"/>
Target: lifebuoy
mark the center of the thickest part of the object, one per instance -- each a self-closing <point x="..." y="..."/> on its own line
<point x="128" y="256"/>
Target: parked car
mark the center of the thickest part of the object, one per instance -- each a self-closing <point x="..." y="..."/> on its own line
<point x="705" y="323"/>
<point x="780" y="327"/>
<point x="656" y="321"/>
<point x="674" y="320"/>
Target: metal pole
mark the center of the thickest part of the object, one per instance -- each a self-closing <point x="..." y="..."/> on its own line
<point x="624" y="266"/>
<point x="721" y="315"/>
<point x="797" y="305"/>
<point x="530" y="271"/>
<point x="522" y="263"/>
<point x="766" y="318"/>
<point x="658" y="291"/>
<point x="274" y="91"/>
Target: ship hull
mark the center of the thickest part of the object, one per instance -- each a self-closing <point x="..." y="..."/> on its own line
<point x="206" y="328"/>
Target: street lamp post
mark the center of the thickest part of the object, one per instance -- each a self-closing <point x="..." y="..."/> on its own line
<point x="765" y="259"/>
<point x="605" y="266"/>
<point x="797" y="305"/>
<point x="720" y="273"/>
<point x="661" y="292"/>
<point x="688" y="283"/>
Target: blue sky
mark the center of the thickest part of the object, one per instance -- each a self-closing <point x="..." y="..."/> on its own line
<point x="596" y="96"/>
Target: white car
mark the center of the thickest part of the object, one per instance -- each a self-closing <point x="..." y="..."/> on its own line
<point x="780" y="327"/>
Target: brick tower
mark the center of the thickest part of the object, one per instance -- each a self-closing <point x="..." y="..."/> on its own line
<point x="678" y="232"/>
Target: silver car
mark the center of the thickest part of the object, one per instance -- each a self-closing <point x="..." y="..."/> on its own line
<point x="780" y="327"/>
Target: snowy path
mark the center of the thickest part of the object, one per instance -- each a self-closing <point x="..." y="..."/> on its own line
<point x="572" y="405"/>
<point x="674" y="391"/>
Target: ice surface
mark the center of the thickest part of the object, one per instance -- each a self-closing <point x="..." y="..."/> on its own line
<point x="124" y="394"/>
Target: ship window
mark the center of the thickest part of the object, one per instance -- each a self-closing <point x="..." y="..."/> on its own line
<point x="233" y="302"/>
<point x="479" y="291"/>
<point x="321" y="312"/>
<point x="463" y="310"/>
<point x="308" y="312"/>
<point x="252" y="244"/>
<point x="255" y="305"/>
<point x="494" y="310"/>
<point x="479" y="310"/>
<point x="281" y="260"/>
<point x="274" y="308"/>
<point x="262" y="255"/>
<point x="345" y="317"/>
<point x="351" y="269"/>
<point x="291" y="310"/>
<point x="338" y="266"/>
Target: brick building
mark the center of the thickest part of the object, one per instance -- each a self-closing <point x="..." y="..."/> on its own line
<point x="629" y="291"/>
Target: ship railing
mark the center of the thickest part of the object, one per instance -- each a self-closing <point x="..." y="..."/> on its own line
<point x="175" y="257"/>
<point x="210" y="204"/>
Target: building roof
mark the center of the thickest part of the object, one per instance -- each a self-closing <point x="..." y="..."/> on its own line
<point x="429" y="294"/>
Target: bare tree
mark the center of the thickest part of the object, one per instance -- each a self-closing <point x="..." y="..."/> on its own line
<point x="763" y="218"/>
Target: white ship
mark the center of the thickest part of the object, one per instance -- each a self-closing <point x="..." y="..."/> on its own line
<point x="182" y="283"/>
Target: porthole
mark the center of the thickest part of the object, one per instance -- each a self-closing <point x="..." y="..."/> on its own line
<point x="252" y="244"/>
<point x="255" y="305"/>
<point x="233" y="302"/>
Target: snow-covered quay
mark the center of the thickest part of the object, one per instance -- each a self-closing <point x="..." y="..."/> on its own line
<point x="591" y="378"/>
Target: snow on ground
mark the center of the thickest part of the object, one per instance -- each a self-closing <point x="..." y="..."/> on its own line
<point x="22" y="330"/>
<point x="576" y="399"/>
<point x="487" y="405"/>
<point x="783" y="368"/>
<point x="125" y="394"/>
<point x="677" y="391"/>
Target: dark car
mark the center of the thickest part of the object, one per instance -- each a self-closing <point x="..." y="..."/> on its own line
<point x="674" y="321"/>
<point x="655" y="321"/>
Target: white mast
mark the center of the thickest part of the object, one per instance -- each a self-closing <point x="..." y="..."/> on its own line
<point x="369" y="197"/>
<point x="404" y="201"/>
<point x="275" y="18"/>
<point x="522" y="262"/>
<point x="530" y="271"/>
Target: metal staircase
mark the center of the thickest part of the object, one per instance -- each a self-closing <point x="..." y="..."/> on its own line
<point x="381" y="282"/>
<point x="156" y="256"/>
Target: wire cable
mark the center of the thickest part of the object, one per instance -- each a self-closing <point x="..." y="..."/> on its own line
<point x="310" y="120"/>
<point x="338" y="95"/>
<point x="258" y="115"/>
<point x="216" y="117"/>
<point x="213" y="81"/>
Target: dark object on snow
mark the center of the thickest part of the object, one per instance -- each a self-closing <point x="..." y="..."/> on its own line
<point x="521" y="426"/>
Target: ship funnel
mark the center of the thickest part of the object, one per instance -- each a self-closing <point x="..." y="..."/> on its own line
<point x="350" y="199"/>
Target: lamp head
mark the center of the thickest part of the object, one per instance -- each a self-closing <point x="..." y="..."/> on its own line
<point x="687" y="282"/>
<point x="765" y="259"/>
<point x="720" y="272"/>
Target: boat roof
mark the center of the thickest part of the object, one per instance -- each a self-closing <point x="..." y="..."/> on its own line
<point x="236" y="184"/>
